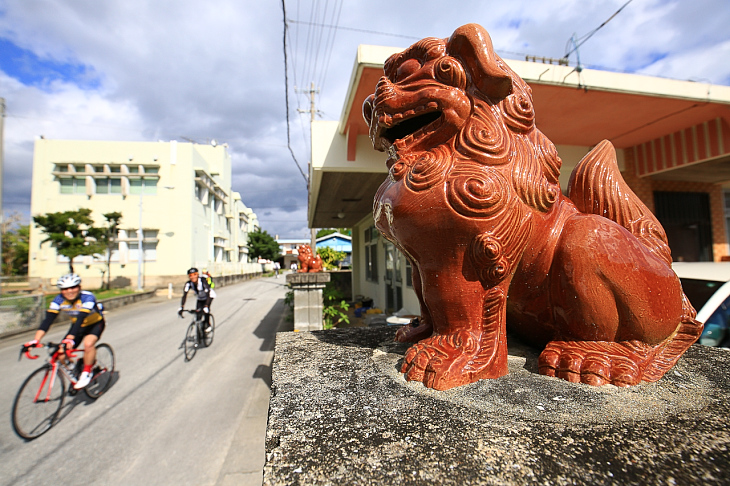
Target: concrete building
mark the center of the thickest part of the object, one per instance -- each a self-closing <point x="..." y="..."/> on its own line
<point x="672" y="139"/>
<point x="177" y="194"/>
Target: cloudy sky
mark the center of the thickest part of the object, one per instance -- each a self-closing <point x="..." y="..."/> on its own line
<point x="193" y="70"/>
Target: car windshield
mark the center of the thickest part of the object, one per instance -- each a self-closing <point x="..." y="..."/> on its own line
<point x="699" y="291"/>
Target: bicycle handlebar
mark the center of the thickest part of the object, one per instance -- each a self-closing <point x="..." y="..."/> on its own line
<point x="53" y="348"/>
<point x="26" y="351"/>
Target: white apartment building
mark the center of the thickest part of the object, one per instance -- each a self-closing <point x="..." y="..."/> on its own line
<point x="174" y="197"/>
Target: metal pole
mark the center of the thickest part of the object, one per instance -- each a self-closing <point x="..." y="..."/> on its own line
<point x="312" y="111"/>
<point x="140" y="252"/>
<point x="2" y="163"/>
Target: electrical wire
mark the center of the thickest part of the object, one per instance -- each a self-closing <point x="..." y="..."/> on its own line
<point x="582" y="40"/>
<point x="318" y="48"/>
<point x="286" y="93"/>
<point x="333" y="33"/>
<point x="353" y="29"/>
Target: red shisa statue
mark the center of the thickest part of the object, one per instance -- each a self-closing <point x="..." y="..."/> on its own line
<point x="473" y="200"/>
<point x="308" y="263"/>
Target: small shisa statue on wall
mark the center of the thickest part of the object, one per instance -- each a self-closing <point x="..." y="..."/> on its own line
<point x="308" y="263"/>
<point x="473" y="200"/>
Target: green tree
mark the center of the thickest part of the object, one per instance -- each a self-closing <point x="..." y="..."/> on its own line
<point x="72" y="233"/>
<point x="330" y="257"/>
<point x="15" y="238"/>
<point x="262" y="244"/>
<point x="109" y="240"/>
<point x="329" y="231"/>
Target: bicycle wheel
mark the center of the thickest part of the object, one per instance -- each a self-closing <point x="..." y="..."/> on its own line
<point x="38" y="403"/>
<point x="208" y="335"/>
<point x="103" y="371"/>
<point x="191" y="342"/>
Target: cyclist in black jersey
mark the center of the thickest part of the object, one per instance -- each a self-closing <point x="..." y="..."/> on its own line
<point x="87" y="322"/>
<point x="203" y="292"/>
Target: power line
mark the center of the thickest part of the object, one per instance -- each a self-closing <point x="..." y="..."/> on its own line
<point x="333" y="33"/>
<point x="318" y="45"/>
<point x="307" y="46"/>
<point x="286" y="96"/>
<point x="582" y="40"/>
<point x="338" y="27"/>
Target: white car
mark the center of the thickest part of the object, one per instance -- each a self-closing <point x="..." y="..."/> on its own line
<point x="707" y="286"/>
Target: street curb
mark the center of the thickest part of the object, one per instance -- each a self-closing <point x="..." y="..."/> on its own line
<point x="230" y="473"/>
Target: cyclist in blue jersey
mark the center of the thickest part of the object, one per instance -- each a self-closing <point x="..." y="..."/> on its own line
<point x="87" y="322"/>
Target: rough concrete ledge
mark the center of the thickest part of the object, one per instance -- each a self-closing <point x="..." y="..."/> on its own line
<point x="341" y="413"/>
<point x="307" y="278"/>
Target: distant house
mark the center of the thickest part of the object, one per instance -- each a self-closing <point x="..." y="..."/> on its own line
<point x="288" y="247"/>
<point x="338" y="242"/>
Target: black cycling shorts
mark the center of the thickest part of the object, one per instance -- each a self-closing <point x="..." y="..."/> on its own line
<point x="95" y="329"/>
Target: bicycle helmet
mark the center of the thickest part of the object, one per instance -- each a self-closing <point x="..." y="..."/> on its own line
<point x="67" y="281"/>
<point x="193" y="270"/>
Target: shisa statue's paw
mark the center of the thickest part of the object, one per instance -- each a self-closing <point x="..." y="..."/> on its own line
<point x="595" y="363"/>
<point x="440" y="361"/>
<point x="450" y="360"/>
<point x="415" y="331"/>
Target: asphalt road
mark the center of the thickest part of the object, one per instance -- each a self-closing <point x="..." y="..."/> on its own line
<point x="163" y="421"/>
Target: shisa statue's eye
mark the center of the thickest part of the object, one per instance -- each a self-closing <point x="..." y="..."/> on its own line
<point x="449" y="71"/>
<point x="408" y="67"/>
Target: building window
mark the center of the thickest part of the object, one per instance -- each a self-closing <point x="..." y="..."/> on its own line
<point x="409" y="274"/>
<point x="371" y="254"/>
<point x="73" y="185"/>
<point x="687" y="222"/>
<point x="148" y="247"/>
<point x="108" y="185"/>
<point x="61" y="168"/>
<point x="149" y="243"/>
<point x="147" y="234"/>
<point x="115" y="253"/>
<point x="146" y="186"/>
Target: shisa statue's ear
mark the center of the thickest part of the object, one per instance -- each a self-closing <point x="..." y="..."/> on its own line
<point x="472" y="45"/>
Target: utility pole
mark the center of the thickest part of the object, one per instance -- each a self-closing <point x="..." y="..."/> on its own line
<point x="312" y="112"/>
<point x="2" y="165"/>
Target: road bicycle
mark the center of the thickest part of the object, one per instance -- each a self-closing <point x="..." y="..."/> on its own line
<point x="197" y="336"/>
<point x="40" y="398"/>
